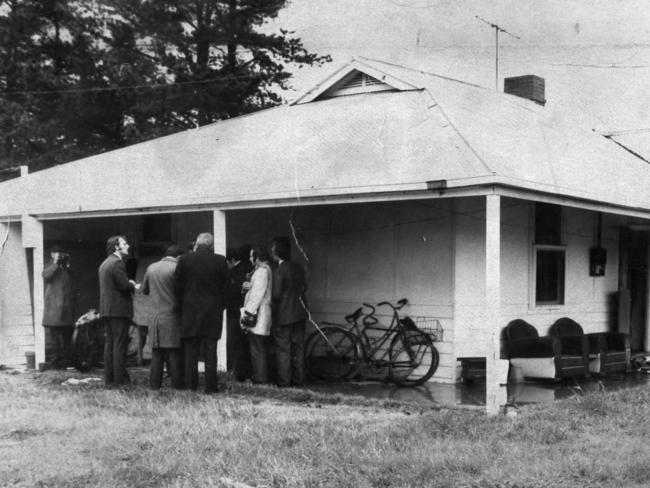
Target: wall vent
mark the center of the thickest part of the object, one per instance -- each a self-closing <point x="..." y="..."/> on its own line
<point x="356" y="83"/>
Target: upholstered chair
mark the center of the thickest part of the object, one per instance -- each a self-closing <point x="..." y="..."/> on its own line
<point x="532" y="356"/>
<point x="608" y="351"/>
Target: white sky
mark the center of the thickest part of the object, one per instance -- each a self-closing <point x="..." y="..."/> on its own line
<point x="594" y="54"/>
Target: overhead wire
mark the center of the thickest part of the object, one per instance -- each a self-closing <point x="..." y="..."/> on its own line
<point x="128" y="87"/>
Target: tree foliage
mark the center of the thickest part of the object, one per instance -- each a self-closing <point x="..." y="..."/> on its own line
<point x="78" y="77"/>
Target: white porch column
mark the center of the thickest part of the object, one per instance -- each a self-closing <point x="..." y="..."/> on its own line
<point x="219" y="232"/>
<point x="493" y="390"/>
<point x="32" y="230"/>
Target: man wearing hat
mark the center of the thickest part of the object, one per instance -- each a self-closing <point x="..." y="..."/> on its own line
<point x="58" y="314"/>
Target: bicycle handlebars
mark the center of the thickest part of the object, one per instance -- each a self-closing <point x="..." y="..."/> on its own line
<point x="400" y="303"/>
<point x="370" y="319"/>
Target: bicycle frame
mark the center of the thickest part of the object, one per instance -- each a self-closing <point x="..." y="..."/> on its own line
<point x="370" y="347"/>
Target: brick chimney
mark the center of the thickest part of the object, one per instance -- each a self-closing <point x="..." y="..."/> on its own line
<point x="527" y="86"/>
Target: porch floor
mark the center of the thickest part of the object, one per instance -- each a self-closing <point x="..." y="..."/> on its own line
<point x="473" y="395"/>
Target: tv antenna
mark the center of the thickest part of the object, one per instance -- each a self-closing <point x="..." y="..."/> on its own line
<point x="497" y="29"/>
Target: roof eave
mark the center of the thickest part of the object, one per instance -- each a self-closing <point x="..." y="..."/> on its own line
<point x="473" y="187"/>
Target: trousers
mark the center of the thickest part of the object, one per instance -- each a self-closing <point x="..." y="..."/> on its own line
<point x="172" y="356"/>
<point x="259" y="354"/>
<point x="62" y="338"/>
<point x="192" y="349"/>
<point x="116" y="331"/>
<point x="238" y="352"/>
<point x="289" y="353"/>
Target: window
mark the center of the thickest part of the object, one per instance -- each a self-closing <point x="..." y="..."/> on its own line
<point x="550" y="263"/>
<point x="550" y="256"/>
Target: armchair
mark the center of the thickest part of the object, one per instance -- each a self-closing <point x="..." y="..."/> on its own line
<point x="544" y="357"/>
<point x="608" y="351"/>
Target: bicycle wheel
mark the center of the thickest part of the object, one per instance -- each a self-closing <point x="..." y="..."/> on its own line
<point x="413" y="358"/>
<point x="331" y="354"/>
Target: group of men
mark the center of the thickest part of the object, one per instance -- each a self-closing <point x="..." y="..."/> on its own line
<point x="288" y="309"/>
<point x="189" y="293"/>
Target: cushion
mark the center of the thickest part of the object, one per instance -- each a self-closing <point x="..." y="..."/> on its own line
<point x="566" y="326"/>
<point x="519" y="329"/>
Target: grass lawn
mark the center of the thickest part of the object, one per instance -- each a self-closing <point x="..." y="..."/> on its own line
<point x="53" y="435"/>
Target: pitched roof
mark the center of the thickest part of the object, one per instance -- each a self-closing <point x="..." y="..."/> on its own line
<point x="425" y="128"/>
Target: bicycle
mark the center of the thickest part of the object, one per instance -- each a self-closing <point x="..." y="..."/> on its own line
<point x="88" y="341"/>
<point x="337" y="352"/>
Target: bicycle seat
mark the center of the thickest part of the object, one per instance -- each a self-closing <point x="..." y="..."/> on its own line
<point x="354" y="316"/>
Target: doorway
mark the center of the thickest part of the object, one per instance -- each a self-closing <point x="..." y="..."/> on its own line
<point x="637" y="284"/>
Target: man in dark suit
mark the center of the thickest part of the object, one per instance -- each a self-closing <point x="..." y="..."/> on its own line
<point x="239" y="358"/>
<point x="289" y="314"/>
<point x="201" y="284"/>
<point x="116" y="309"/>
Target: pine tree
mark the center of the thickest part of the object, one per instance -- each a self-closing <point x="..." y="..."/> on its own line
<point x="79" y="77"/>
<point x="220" y="56"/>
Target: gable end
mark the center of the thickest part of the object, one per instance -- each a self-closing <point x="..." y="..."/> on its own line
<point x="356" y="83"/>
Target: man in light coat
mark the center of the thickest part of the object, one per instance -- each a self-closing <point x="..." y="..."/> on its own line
<point x="58" y="313"/>
<point x="258" y="303"/>
<point x="116" y="309"/>
<point x="165" y="323"/>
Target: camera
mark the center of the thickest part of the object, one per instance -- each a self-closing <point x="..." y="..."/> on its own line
<point x="63" y="259"/>
<point x="248" y="320"/>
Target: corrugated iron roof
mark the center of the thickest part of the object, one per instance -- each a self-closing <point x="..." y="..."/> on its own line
<point x="436" y="129"/>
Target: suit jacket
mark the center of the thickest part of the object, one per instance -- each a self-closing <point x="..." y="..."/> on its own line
<point x="235" y="296"/>
<point x="165" y="323"/>
<point x="201" y="285"/>
<point x="289" y="287"/>
<point x="115" y="299"/>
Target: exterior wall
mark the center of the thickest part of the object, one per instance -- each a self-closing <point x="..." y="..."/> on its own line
<point x="16" y="325"/>
<point x="368" y="253"/>
<point x="588" y="300"/>
<point x="591" y="301"/>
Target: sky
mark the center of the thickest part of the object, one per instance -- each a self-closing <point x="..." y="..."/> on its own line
<point x="593" y="54"/>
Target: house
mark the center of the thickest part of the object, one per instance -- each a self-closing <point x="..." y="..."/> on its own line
<point x="477" y="206"/>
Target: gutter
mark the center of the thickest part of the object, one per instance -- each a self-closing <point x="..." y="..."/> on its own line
<point x="471" y="187"/>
